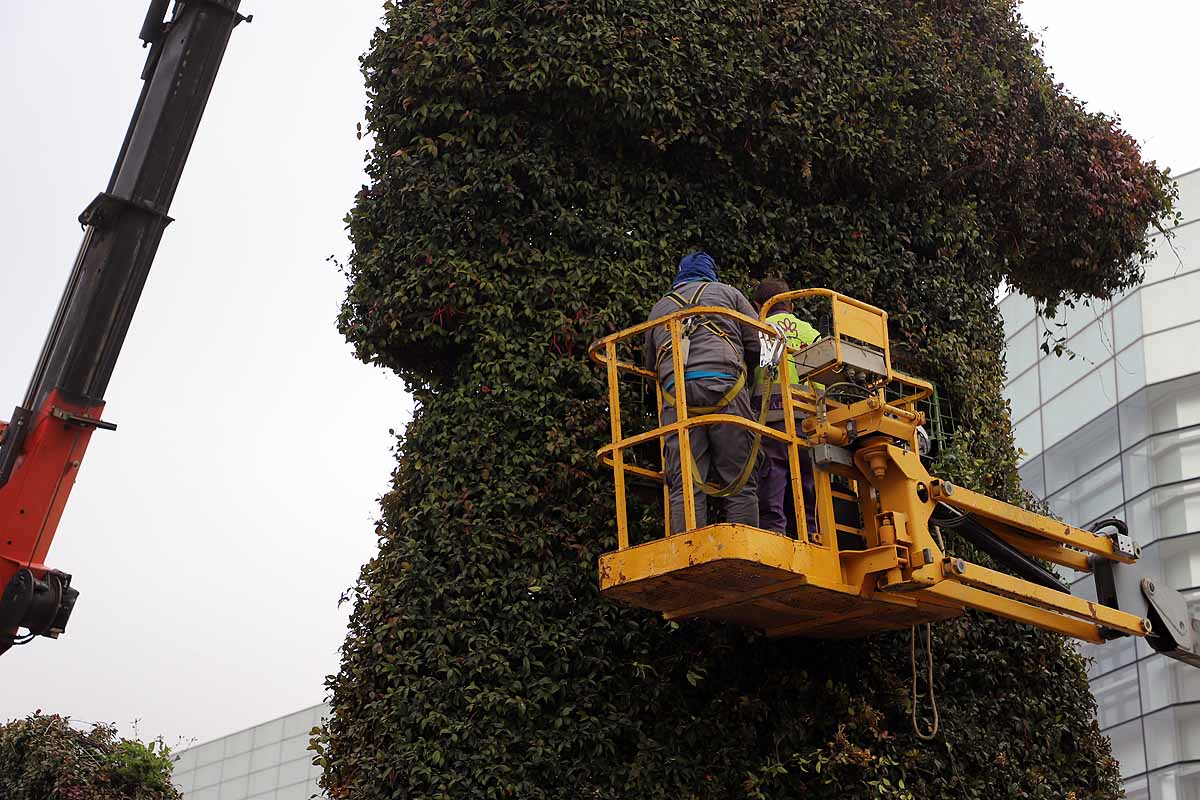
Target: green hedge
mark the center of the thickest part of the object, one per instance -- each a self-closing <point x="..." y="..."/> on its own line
<point x="537" y="170"/>
<point x="45" y="757"/>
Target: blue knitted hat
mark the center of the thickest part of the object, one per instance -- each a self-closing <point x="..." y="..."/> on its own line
<point x="698" y="266"/>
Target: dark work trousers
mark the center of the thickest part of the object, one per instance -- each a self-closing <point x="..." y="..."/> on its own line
<point x="720" y="453"/>
<point x="776" y="510"/>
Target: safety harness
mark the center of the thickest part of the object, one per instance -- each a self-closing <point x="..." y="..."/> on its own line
<point x="689" y="326"/>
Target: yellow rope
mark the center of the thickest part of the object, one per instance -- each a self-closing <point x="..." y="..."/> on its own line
<point x="739" y="482"/>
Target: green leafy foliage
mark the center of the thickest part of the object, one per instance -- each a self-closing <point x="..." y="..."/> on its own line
<point x="45" y="757"/>
<point x="537" y="170"/>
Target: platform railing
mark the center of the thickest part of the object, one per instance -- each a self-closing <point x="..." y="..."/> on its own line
<point x="852" y="320"/>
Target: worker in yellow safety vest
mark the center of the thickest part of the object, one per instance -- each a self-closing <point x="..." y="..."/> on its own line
<point x="774" y="499"/>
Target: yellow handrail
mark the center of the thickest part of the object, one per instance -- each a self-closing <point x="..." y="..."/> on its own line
<point x="870" y="327"/>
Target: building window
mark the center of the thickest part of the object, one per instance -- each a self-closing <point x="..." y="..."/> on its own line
<point x="1165" y="265"/>
<point x="1022" y="395"/>
<point x="1172" y="353"/>
<point x="1017" y="311"/>
<point x="1088" y="349"/>
<point x="1172" y="302"/>
<point x="1033" y="477"/>
<point x="1091" y="497"/>
<point x="1131" y="370"/>
<point x="1137" y="789"/>
<point x="1117" y="696"/>
<point x="1069" y="321"/>
<point x="1161" y="408"/>
<point x="1127" y="321"/>
<point x="1104" y="658"/>
<point x="1082" y="451"/>
<point x="1084" y="401"/>
<point x="1180" y="782"/>
<point x="1164" y="512"/>
<point x="1027" y="436"/>
<point x="1127" y="747"/>
<point x="1179" y="561"/>
<point x="1165" y="458"/>
<point x="1172" y="735"/>
<point x="1021" y="352"/>
<point x="1166" y="682"/>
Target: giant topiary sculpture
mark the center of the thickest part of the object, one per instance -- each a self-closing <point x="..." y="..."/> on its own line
<point x="538" y="167"/>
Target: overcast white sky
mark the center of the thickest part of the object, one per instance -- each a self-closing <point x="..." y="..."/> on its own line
<point x="213" y="533"/>
<point x="211" y="536"/>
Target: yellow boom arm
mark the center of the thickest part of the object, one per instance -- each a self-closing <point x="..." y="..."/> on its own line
<point x="877" y="561"/>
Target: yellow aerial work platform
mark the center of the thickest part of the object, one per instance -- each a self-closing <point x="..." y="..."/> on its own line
<point x="877" y="561"/>
<point x="759" y="579"/>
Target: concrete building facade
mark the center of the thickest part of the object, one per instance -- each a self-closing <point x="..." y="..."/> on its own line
<point x="1114" y="431"/>
<point x="270" y="761"/>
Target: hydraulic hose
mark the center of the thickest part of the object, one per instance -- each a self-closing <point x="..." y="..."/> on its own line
<point x="975" y="533"/>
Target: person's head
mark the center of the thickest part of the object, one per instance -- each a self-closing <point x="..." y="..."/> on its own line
<point x="698" y="266"/>
<point x="768" y="288"/>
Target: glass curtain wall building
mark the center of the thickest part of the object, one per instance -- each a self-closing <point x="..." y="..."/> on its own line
<point x="270" y="761"/>
<point x="1115" y="432"/>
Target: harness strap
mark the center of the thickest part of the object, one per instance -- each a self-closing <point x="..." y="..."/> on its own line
<point x="726" y="399"/>
<point x="703" y="322"/>
<point x="678" y="298"/>
<point x="738" y="483"/>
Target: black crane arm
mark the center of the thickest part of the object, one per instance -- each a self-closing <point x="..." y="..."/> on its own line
<point x="42" y="445"/>
<point x="126" y="221"/>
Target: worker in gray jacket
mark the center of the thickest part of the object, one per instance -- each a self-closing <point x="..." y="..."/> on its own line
<point x="719" y="354"/>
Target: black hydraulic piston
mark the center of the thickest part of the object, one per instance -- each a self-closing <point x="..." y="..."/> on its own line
<point x="1004" y="553"/>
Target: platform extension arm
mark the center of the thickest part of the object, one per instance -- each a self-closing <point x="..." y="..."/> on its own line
<point x="1122" y="582"/>
<point x="874" y="437"/>
<point x="1130" y="600"/>
<point x="42" y="446"/>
